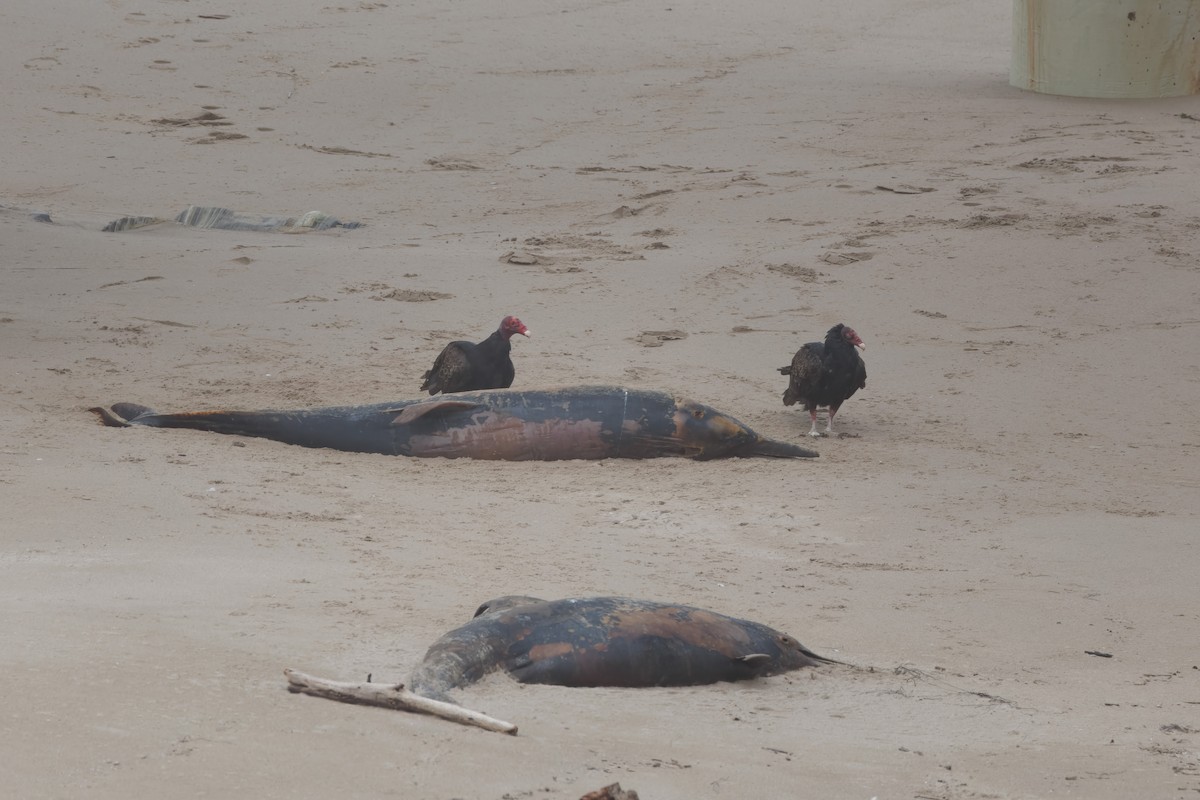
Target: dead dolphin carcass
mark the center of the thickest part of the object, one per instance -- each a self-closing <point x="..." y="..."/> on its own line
<point x="579" y="642"/>
<point x="581" y="422"/>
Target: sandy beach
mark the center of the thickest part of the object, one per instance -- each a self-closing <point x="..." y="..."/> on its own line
<point x="1002" y="544"/>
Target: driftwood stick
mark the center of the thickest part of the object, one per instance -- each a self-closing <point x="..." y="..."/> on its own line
<point x="392" y="695"/>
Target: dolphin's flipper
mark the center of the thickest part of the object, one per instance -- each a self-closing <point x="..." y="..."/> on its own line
<point x="417" y="410"/>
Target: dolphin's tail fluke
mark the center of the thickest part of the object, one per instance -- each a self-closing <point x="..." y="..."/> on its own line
<point x="359" y="430"/>
<point x="283" y="426"/>
<point x="120" y="414"/>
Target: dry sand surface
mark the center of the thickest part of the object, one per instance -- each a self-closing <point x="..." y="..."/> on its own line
<point x="1017" y="485"/>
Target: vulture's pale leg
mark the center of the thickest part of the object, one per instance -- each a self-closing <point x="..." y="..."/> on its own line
<point x="829" y="425"/>
<point x="813" y="431"/>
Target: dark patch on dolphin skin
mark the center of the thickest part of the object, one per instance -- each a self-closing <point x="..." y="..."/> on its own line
<point x="606" y="641"/>
<point x="580" y="422"/>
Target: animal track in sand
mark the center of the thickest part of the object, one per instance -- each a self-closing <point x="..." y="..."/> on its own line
<point x="569" y="248"/>
<point x="207" y="118"/>
<point x="805" y="274"/>
<point x="657" y="338"/>
<point x="382" y="291"/>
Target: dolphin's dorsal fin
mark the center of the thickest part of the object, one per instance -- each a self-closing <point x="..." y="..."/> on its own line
<point x="417" y="410"/>
<point x="754" y="658"/>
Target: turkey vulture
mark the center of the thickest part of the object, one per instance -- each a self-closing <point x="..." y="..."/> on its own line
<point x="826" y="375"/>
<point x="470" y="367"/>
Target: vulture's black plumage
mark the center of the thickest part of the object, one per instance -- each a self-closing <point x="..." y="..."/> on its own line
<point x="471" y="367"/>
